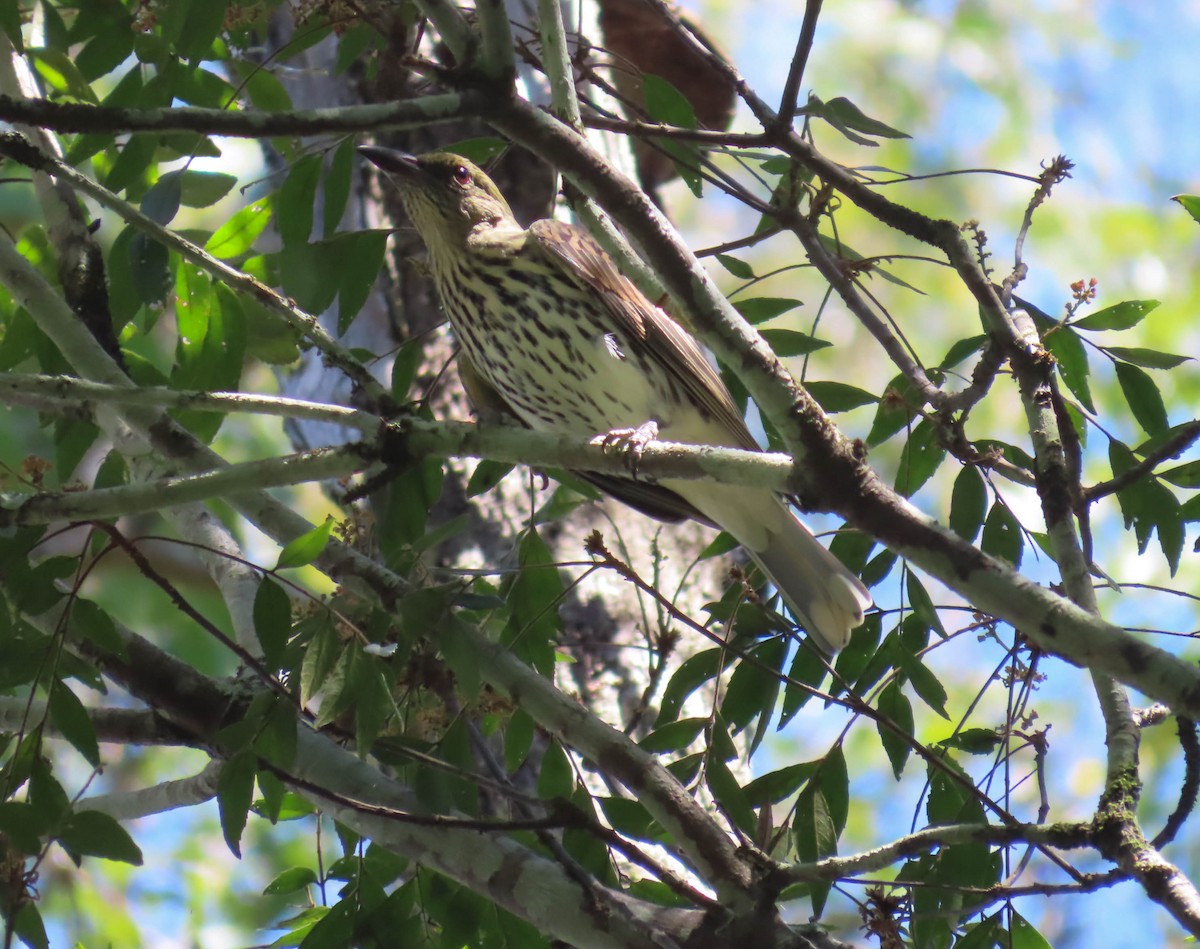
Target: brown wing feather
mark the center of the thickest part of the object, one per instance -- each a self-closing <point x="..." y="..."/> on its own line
<point x="669" y="344"/>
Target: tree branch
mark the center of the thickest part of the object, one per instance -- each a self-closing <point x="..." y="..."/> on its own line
<point x="167" y="796"/>
<point x="247" y="123"/>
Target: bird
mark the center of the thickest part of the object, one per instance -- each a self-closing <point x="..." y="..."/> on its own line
<point x="553" y="335"/>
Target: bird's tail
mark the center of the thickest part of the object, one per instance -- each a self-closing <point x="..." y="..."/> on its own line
<point x="824" y="596"/>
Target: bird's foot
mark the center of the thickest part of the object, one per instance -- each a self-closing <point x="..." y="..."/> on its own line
<point x="629" y="441"/>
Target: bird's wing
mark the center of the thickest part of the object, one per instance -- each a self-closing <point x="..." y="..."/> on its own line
<point x="651" y="499"/>
<point x="579" y="256"/>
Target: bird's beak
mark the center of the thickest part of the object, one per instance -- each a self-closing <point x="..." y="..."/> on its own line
<point x="394" y="162"/>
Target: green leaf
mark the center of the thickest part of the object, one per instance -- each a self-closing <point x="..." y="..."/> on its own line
<point x="274" y="794"/>
<point x="338" y="691"/>
<point x="556" y="777"/>
<point x="10" y="23"/>
<point x="95" y="834"/>
<point x="961" y="350"/>
<point x="294" y="201"/>
<point x="974" y="741"/>
<point x="839" y="396"/>
<point x="1168" y="521"/>
<point x="1145" y="401"/>
<point x="844" y="114"/>
<point x="1183" y="476"/>
<point x="235" y="792"/>
<point x="1022" y="935"/>
<point x="922" y="606"/>
<point x="921" y="457"/>
<point x="22" y="824"/>
<point x="409" y="499"/>
<point x="272" y="620"/>
<point x="686" y="157"/>
<point x="202" y="189"/>
<point x="808" y="669"/>
<point x="739" y="268"/>
<point x="307" y="547"/>
<point x="1119" y="316"/>
<point x="132" y="164"/>
<point x="927" y="685"/>
<point x="310" y="273"/>
<point x="834" y="780"/>
<point x="487" y="475"/>
<point x="666" y="104"/>
<point x="1002" y="535"/>
<point x="320" y="655"/>
<point x="895" y="706"/>
<point x="195" y="304"/>
<point x="760" y="309"/>
<point x="815" y="837"/>
<point x="361" y="256"/>
<point x="290" y="881"/>
<point x="1068" y="350"/>
<point x="627" y="817"/>
<point x="518" y="739"/>
<point x="968" y="503"/>
<point x="674" y="736"/>
<point x="372" y="702"/>
<point x="898" y="407"/>
<point x="149" y="269"/>
<point x="237" y="235"/>
<point x="779" y="785"/>
<point x="61" y="75"/>
<point x="793" y="343"/>
<point x="337" y="186"/>
<point x="753" y="688"/>
<point x="463" y="660"/>
<point x="478" y="150"/>
<point x="533" y="600"/>
<point x="692" y="673"/>
<point x="202" y="26"/>
<point x="27" y="921"/>
<point x="261" y="86"/>
<point x="729" y="795"/>
<point x="1149" y="358"/>
<point x="1190" y="202"/>
<point x="334" y="930"/>
<point x="276" y="740"/>
<point x="405" y="366"/>
<point x="48" y="797"/>
<point x="90" y="620"/>
<point x="161" y="202"/>
<point x="71" y="718"/>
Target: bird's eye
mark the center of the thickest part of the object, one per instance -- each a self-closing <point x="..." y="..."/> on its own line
<point x="462" y="175"/>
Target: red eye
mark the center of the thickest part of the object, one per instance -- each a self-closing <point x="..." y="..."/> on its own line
<point x="462" y="175"/>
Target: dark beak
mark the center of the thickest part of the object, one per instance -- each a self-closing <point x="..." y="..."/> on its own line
<point x="394" y="162"/>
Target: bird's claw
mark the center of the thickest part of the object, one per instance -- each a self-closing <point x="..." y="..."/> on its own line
<point x="630" y="441"/>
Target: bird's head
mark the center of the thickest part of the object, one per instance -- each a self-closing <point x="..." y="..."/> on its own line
<point x="448" y="198"/>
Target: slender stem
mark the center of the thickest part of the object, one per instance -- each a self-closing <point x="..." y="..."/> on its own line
<point x="69" y="392"/>
<point x="556" y="62"/>
<point x="247" y="123"/>
<point x="804" y="43"/>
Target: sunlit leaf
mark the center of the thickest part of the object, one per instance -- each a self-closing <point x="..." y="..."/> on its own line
<point x="1119" y="316"/>
<point x="307" y="547"/>
<point x="95" y="834"/>
<point x="1145" y="401"/>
